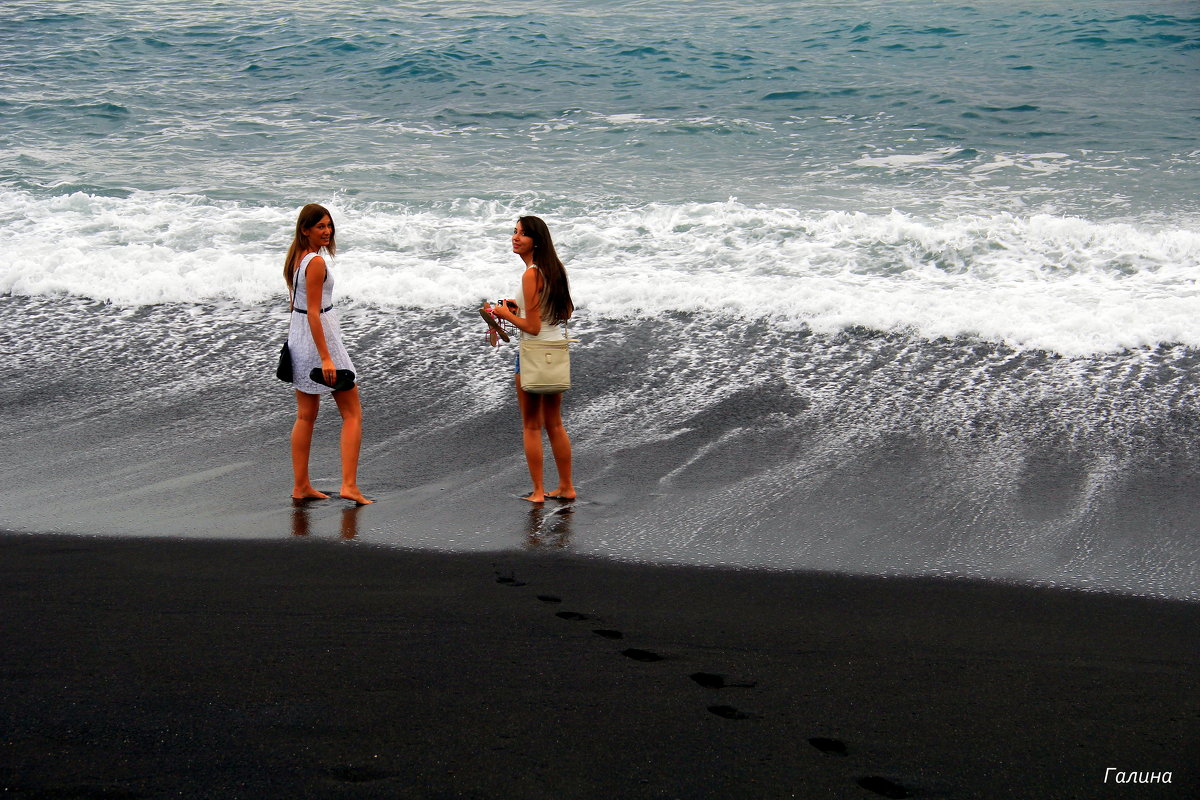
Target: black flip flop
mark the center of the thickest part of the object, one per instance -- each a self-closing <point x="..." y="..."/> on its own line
<point x="344" y="380"/>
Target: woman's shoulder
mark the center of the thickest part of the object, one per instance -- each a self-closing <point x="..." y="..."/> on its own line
<point x="322" y="255"/>
<point x="317" y="261"/>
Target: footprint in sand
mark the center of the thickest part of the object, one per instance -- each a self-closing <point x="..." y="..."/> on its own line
<point x="88" y="790"/>
<point x="884" y="787"/>
<point x="350" y="774"/>
<point x="729" y="712"/>
<point x="608" y="634"/>
<point x="549" y="598"/>
<point x="711" y="680"/>
<point x="508" y="580"/>
<point x="642" y="655"/>
<point x="574" y="616"/>
<point x="832" y="747"/>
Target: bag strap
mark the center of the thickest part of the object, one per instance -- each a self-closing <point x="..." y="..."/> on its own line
<point x="292" y="305"/>
<point x="292" y="302"/>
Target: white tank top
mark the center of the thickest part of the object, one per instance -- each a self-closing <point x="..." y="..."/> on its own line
<point x="549" y="330"/>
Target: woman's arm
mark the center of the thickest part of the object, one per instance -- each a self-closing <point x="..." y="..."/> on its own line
<point x="314" y="282"/>
<point x="531" y="323"/>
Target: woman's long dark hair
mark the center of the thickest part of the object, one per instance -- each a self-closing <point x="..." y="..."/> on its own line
<point x="554" y="303"/>
<point x="310" y="215"/>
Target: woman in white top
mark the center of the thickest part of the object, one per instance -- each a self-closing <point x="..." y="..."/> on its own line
<point x="540" y="310"/>
<point x="315" y="342"/>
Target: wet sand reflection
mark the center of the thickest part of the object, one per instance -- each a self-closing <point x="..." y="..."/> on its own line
<point x="350" y="521"/>
<point x="302" y="520"/>
<point x="549" y="527"/>
<point x="301" y="525"/>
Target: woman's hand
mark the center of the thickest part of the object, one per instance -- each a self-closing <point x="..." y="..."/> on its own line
<point x="503" y="309"/>
<point x="328" y="371"/>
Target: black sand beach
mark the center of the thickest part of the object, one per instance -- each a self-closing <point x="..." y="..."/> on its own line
<point x="309" y="668"/>
<point x="885" y="403"/>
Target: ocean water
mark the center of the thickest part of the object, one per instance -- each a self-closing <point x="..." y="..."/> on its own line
<point x="873" y="287"/>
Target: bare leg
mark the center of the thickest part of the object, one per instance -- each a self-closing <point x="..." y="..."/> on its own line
<point x="351" y="409"/>
<point x="531" y="432"/>
<point x="560" y="445"/>
<point x="307" y="406"/>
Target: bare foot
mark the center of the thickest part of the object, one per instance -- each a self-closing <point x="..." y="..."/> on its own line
<point x="307" y="493"/>
<point x="535" y="497"/>
<point x="353" y="493"/>
<point x="562" y="493"/>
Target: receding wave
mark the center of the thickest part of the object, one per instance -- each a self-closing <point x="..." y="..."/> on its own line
<point x="697" y="439"/>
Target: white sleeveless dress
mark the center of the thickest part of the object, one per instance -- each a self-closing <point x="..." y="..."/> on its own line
<point x="300" y="340"/>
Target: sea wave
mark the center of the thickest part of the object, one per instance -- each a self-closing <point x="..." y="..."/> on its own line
<point x="990" y="107"/>
<point x="1062" y="284"/>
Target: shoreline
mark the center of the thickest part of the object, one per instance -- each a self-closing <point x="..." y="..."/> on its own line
<point x="796" y="467"/>
<point x="283" y="668"/>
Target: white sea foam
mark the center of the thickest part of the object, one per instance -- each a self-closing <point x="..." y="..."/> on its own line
<point x="1064" y="284"/>
<point x="909" y="160"/>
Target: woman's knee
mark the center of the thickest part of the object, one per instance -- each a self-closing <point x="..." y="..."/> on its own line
<point x="307" y="413"/>
<point x="349" y="406"/>
<point x="531" y="418"/>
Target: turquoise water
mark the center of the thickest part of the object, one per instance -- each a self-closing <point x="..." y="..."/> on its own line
<point x="1073" y="108"/>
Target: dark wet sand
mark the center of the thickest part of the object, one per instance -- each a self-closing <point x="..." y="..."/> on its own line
<point x="302" y="668"/>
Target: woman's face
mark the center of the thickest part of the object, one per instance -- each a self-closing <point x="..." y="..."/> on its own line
<point x="522" y="244"/>
<point x="319" y="235"/>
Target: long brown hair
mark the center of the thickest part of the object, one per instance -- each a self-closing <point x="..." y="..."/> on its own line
<point x="554" y="303"/>
<point x="310" y="215"/>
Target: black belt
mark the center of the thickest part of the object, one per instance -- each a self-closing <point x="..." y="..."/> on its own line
<point x="302" y="311"/>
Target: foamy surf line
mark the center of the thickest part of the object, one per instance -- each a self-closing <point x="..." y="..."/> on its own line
<point x="1066" y="285"/>
<point x="696" y="440"/>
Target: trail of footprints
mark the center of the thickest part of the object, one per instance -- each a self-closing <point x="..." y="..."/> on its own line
<point x="708" y="680"/>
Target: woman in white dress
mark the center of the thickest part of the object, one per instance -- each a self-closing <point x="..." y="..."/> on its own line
<point x="540" y="310"/>
<point x="315" y="342"/>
